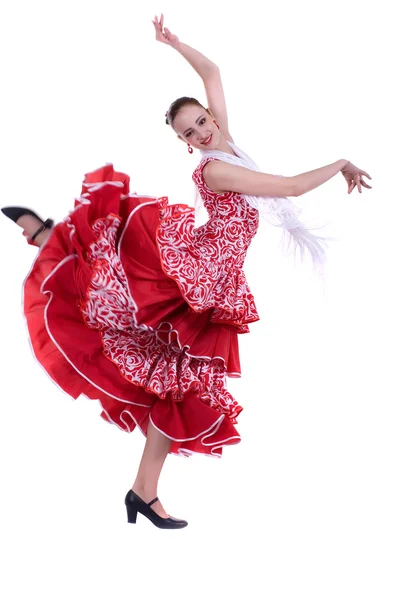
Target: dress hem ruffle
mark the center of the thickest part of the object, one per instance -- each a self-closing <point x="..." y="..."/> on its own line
<point x="199" y="425"/>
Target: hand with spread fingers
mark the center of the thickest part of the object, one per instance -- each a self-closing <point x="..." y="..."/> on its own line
<point x="354" y="177"/>
<point x="163" y="34"/>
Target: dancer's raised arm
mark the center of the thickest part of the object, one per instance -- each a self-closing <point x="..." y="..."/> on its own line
<point x="221" y="176"/>
<point x="205" y="68"/>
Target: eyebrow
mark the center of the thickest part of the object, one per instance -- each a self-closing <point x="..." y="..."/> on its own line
<point x="197" y="120"/>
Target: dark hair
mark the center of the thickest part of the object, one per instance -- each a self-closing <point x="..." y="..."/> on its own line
<point x="176" y="106"/>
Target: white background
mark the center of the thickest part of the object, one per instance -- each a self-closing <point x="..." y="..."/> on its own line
<point x="307" y="506"/>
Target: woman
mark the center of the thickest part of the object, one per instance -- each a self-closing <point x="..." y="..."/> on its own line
<point x="157" y="304"/>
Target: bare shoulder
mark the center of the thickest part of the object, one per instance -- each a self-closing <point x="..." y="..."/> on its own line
<point x="211" y="172"/>
<point x="221" y="177"/>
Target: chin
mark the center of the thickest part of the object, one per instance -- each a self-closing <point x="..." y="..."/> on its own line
<point x="209" y="147"/>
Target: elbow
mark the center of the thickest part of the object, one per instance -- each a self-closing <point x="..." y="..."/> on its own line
<point x="212" y="71"/>
<point x="295" y="189"/>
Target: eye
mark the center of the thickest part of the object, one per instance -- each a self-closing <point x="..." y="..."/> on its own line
<point x="201" y="122"/>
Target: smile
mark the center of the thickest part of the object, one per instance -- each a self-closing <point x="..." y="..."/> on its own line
<point x="207" y="141"/>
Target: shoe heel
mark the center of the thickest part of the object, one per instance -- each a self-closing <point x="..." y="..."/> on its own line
<point x="132" y="514"/>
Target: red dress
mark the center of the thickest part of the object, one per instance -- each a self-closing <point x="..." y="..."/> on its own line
<point x="130" y="304"/>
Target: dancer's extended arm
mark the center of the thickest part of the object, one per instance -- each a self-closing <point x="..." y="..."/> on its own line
<point x="205" y="68"/>
<point x="221" y="176"/>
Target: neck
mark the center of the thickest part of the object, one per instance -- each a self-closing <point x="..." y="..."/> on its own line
<point x="223" y="146"/>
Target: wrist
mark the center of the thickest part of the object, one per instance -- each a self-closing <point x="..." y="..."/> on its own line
<point x="343" y="163"/>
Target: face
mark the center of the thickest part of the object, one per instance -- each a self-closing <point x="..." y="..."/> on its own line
<point x="195" y="126"/>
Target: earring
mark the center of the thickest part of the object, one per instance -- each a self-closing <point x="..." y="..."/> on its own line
<point x="216" y="123"/>
<point x="190" y="149"/>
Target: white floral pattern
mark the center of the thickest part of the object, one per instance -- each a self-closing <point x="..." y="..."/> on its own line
<point x="141" y="357"/>
<point x="207" y="262"/>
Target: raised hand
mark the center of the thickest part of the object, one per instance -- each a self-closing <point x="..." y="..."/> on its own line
<point x="354" y="177"/>
<point x="163" y="34"/>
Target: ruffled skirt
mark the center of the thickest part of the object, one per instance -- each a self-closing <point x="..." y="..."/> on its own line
<point x="106" y="320"/>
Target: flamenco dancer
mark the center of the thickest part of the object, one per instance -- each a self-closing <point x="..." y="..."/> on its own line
<point x="157" y="304"/>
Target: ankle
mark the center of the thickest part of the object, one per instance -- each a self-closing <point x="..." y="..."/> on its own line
<point x="144" y="490"/>
<point x="30" y="226"/>
<point x="41" y="238"/>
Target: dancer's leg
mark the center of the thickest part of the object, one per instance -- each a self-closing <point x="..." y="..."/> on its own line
<point x="31" y="224"/>
<point x="157" y="445"/>
<point x="155" y="452"/>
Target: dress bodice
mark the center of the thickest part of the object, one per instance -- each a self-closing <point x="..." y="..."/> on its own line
<point x="232" y="221"/>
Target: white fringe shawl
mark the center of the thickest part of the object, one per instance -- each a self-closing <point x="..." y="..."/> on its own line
<point x="280" y="212"/>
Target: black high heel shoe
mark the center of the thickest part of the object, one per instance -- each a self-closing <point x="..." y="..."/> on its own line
<point x="134" y="504"/>
<point x="15" y="212"/>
